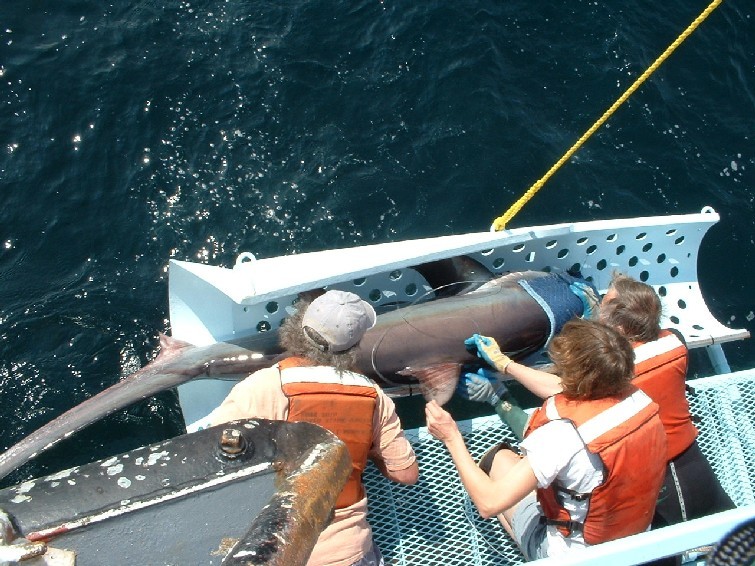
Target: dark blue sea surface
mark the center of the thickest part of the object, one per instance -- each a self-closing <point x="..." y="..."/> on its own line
<point x="136" y="132"/>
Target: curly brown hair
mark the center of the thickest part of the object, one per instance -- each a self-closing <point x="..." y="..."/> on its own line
<point x="307" y="343"/>
<point x="593" y="360"/>
<point x="635" y="310"/>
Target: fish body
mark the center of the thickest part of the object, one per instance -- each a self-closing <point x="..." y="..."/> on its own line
<point x="426" y="341"/>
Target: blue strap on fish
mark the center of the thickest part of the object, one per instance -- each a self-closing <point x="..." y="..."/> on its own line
<point x="558" y="301"/>
<point x="589" y="297"/>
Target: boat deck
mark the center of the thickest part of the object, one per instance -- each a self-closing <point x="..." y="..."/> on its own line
<point x="435" y="522"/>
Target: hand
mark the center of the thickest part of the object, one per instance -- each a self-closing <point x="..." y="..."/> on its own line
<point x="487" y="349"/>
<point x="485" y="385"/>
<point x="589" y="298"/>
<point x="440" y="423"/>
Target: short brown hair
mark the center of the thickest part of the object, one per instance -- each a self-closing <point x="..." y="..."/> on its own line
<point x="635" y="311"/>
<point x="593" y="360"/>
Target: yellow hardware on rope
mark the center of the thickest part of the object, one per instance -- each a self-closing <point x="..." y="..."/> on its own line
<point x="500" y="222"/>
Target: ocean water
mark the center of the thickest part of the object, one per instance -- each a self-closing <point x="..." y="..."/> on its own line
<point x="136" y="132"/>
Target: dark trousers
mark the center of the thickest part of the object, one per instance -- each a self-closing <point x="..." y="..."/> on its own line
<point x="690" y="490"/>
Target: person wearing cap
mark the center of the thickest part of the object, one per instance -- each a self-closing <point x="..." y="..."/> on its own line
<point x="318" y="382"/>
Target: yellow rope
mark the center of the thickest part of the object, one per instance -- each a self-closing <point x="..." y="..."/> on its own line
<point x="500" y="222"/>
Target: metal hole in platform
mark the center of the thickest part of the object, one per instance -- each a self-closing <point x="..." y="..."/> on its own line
<point x="671" y="232"/>
<point x="633" y="261"/>
<point x="530" y="257"/>
<point x="674" y="271"/>
<point x="620" y="250"/>
<point x="591" y="250"/>
<point x="411" y="289"/>
<point x="498" y="263"/>
<point x="641" y="236"/>
<point x="395" y="275"/>
<point x="662" y="291"/>
<point x="487" y="252"/>
<point x="518" y="248"/>
<point x="271" y="307"/>
<point x="647" y="247"/>
<point x="679" y="240"/>
<point x="611" y="238"/>
<point x="674" y="319"/>
<point x="644" y="276"/>
<point x="661" y="258"/>
<point x="682" y="304"/>
<point x="582" y="241"/>
<point x="562" y="253"/>
<point x="375" y="295"/>
<point x="575" y="267"/>
<point x="263" y="326"/>
<point x="601" y="265"/>
<point x="551" y="244"/>
<point x="359" y="282"/>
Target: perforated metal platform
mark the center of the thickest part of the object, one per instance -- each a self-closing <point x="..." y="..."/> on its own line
<point x="211" y="303"/>
<point x="434" y="522"/>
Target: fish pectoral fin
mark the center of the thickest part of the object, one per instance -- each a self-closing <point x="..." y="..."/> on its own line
<point x="437" y="382"/>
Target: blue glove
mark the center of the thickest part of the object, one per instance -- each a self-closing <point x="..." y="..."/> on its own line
<point x="589" y="298"/>
<point x="482" y="386"/>
<point x="487" y="349"/>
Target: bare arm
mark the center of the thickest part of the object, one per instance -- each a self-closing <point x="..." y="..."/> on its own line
<point x="407" y="476"/>
<point x="540" y="383"/>
<point x="491" y="497"/>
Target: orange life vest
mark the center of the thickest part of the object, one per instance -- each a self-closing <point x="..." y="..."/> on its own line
<point x="627" y="435"/>
<point x="660" y="369"/>
<point x="343" y="403"/>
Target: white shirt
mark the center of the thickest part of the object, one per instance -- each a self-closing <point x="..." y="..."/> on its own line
<point x="556" y="452"/>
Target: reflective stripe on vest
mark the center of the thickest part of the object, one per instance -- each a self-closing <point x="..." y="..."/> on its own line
<point x="343" y="403"/>
<point x="629" y="439"/>
<point x="661" y="372"/>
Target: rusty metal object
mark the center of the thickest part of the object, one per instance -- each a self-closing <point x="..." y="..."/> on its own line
<point x="286" y="531"/>
<point x="7" y="532"/>
<point x="267" y="485"/>
<point x="232" y="442"/>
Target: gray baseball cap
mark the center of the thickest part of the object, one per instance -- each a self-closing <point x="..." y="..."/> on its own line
<point x="341" y="318"/>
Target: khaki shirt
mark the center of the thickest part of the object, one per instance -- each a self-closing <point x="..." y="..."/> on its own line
<point x="348" y="537"/>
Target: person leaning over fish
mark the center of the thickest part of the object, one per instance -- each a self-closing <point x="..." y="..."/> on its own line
<point x="318" y="384"/>
<point x="690" y="489"/>
<point x="593" y="455"/>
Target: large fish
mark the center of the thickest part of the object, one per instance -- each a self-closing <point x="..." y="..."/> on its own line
<point x="418" y="343"/>
<point x="426" y="341"/>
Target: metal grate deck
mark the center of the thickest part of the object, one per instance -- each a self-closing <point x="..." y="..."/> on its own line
<point x="435" y="522"/>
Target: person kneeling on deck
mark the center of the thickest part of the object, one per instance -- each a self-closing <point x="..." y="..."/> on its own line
<point x="593" y="455"/>
<point x="690" y="489"/>
<point x="318" y="384"/>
